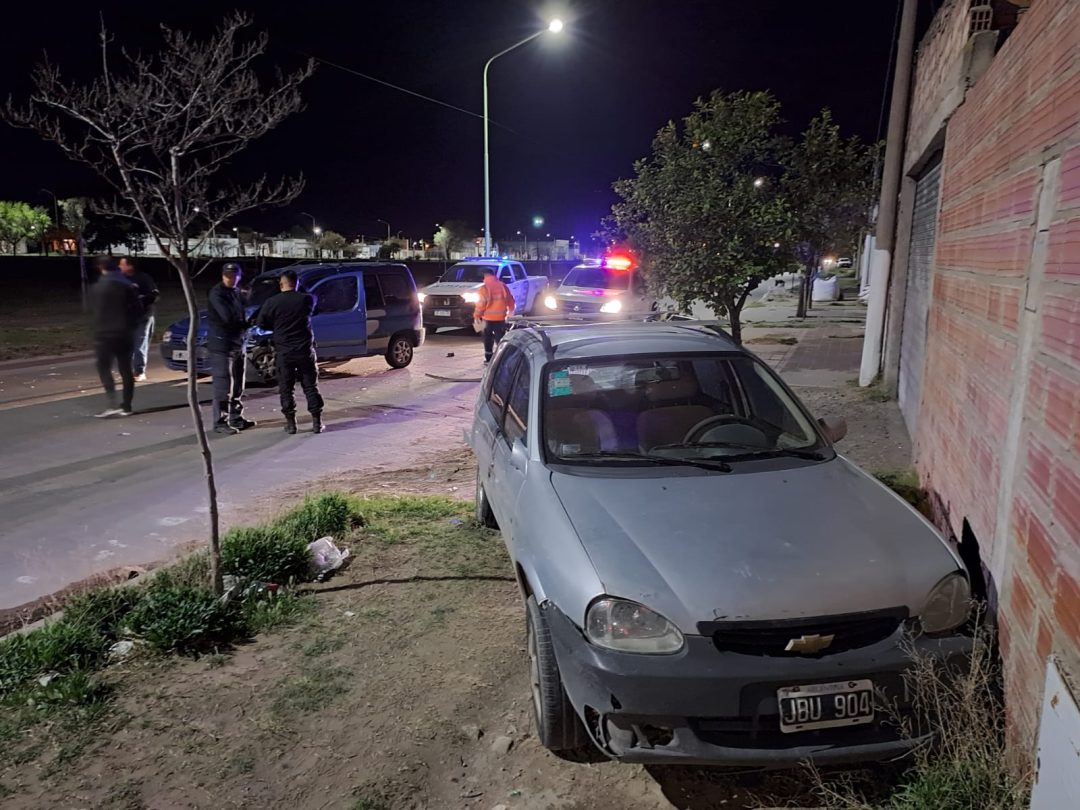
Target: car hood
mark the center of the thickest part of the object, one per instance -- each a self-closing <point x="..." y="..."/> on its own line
<point x="815" y="540"/>
<point x="180" y="327"/>
<point x="451" y="287"/>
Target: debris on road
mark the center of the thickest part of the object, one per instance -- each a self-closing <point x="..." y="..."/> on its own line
<point x="325" y="557"/>
<point x="502" y="745"/>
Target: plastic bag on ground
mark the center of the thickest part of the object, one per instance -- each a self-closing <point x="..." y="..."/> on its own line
<point x="325" y="557"/>
<point x="826" y="289"/>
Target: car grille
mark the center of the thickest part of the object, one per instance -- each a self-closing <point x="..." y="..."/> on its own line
<point x="763" y="731"/>
<point x="442" y="301"/>
<point x="589" y="307"/>
<point x="849" y="631"/>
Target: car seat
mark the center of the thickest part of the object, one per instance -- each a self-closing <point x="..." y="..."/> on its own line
<point x="672" y="412"/>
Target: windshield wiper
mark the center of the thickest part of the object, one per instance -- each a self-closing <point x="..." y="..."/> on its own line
<point x="667" y="461"/>
<point x="812" y="455"/>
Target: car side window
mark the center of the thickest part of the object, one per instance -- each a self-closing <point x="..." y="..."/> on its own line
<point x="502" y="380"/>
<point x="336" y="295"/>
<point x="506" y="275"/>
<point x="516" y="423"/>
<point x="372" y="293"/>
<point x="395" y="288"/>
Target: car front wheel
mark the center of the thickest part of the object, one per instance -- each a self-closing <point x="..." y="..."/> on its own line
<point x="400" y="351"/>
<point x="557" y="724"/>
<point x="484" y="516"/>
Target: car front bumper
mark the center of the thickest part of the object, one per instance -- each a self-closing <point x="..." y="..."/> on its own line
<point x="702" y="706"/>
<point x="460" y="314"/>
<point x="202" y="357"/>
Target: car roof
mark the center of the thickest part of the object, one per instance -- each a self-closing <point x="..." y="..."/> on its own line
<point x="309" y="273"/>
<point x="500" y="260"/>
<point x="613" y="339"/>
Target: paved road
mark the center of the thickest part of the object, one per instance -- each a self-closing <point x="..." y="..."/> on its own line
<point x="79" y="496"/>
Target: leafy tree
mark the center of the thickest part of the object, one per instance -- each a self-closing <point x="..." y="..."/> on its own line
<point x="331" y="242"/>
<point x="159" y="129"/>
<point x="453" y="235"/>
<point x="387" y="250"/>
<point x="697" y="211"/>
<point x="77" y="220"/>
<point x="19" y="220"/>
<point x="829" y="182"/>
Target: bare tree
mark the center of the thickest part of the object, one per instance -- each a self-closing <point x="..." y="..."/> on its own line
<point x="159" y="129"/>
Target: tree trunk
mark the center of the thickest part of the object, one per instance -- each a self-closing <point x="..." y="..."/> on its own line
<point x="181" y="265"/>
<point x="735" y="309"/>
<point x="81" y="246"/>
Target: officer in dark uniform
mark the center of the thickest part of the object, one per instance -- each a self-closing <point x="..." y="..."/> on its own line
<point x="288" y="317"/>
<point x="225" y="341"/>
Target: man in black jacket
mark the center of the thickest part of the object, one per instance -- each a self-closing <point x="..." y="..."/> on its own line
<point x="114" y="311"/>
<point x="225" y="339"/>
<point x="288" y="317"/>
<point x="144" y="330"/>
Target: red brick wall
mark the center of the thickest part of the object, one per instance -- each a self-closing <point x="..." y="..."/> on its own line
<point x="1023" y="112"/>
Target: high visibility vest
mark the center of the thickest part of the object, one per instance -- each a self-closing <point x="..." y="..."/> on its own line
<point x="495" y="304"/>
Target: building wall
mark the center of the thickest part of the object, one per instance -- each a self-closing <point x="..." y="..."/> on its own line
<point x="998" y="443"/>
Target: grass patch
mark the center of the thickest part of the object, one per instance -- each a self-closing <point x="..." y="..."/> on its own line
<point x="332" y="513"/>
<point x="878" y="393"/>
<point x="368" y="803"/>
<point x="276" y="610"/>
<point x="315" y="686"/>
<point x="184" y="619"/>
<point x="905" y="483"/>
<point x="265" y="554"/>
<point x="784" y="340"/>
<point x="966" y="768"/>
<point x="443" y="529"/>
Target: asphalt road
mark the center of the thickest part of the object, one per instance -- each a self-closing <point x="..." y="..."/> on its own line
<point x="80" y="496"/>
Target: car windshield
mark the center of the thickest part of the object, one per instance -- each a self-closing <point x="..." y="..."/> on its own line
<point x="596" y="278"/>
<point x="467" y="272"/>
<point x="705" y="408"/>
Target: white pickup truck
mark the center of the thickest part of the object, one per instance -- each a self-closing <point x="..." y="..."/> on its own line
<point x="450" y="301"/>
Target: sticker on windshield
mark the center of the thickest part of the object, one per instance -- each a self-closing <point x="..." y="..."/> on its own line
<point x="559" y="384"/>
<point x="582" y="370"/>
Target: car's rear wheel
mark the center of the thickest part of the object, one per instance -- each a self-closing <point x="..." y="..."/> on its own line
<point x="557" y="724"/>
<point x="399" y="353"/>
<point x="484" y="516"/>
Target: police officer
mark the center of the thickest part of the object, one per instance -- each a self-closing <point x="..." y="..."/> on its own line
<point x="225" y="341"/>
<point x="288" y="317"/>
<point x="495" y="304"/>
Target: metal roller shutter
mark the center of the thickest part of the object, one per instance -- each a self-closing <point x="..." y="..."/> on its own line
<point x="917" y="300"/>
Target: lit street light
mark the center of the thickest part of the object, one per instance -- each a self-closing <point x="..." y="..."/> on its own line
<point x="554" y="27"/>
<point x="759" y="182"/>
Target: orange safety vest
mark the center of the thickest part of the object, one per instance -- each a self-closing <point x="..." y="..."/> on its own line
<point x="496" y="302"/>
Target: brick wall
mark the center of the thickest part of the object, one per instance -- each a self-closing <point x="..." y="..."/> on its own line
<point x="999" y="422"/>
<point x="937" y="75"/>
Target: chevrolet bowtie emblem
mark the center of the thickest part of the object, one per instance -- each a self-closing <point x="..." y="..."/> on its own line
<point x="809" y="644"/>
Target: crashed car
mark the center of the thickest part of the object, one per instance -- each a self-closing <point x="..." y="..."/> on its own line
<point x="706" y="581"/>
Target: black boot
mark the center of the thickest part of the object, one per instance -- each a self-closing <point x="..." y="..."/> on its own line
<point x="290" y="423"/>
<point x="316" y="423"/>
<point x="222" y="426"/>
<point x="240" y="423"/>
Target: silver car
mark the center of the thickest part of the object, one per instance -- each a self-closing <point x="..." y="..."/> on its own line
<point x="705" y="580"/>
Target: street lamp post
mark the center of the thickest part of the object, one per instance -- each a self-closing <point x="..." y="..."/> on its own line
<point x="555" y="26"/>
<point x="387" y="224"/>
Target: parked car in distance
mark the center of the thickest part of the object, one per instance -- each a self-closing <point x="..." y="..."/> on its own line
<point x="844" y="262"/>
<point x="361" y="309"/>
<point x="705" y="580"/>
<point x="609" y="289"/>
<point x="450" y="301"/>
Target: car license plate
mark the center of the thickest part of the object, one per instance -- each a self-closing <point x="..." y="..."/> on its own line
<point x="442" y="313"/>
<point x="179" y="355"/>
<point x="826" y="705"/>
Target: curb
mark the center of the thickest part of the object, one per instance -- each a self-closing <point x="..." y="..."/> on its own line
<point x="44" y="360"/>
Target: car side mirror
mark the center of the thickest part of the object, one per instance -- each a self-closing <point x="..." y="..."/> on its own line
<point x="834" y="427"/>
<point x="519" y="455"/>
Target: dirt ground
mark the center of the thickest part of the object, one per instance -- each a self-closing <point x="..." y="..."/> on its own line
<point x="405" y="689"/>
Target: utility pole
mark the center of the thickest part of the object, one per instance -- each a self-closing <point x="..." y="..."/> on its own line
<point x="881" y="259"/>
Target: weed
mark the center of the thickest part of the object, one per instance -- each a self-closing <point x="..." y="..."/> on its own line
<point x="322" y="645"/>
<point x="332" y="513"/>
<point x="966" y="766"/>
<point x="192" y="571"/>
<point x="275" y="610"/>
<point x="905" y="483"/>
<point x="241" y="763"/>
<point x="309" y="691"/>
<point x="439" y="614"/>
<point x="217" y="660"/>
<point x="783" y="340"/>
<point x="61" y="647"/>
<point x="265" y="554"/>
<point x="878" y="393"/>
<point x="184" y="619"/>
<point x="369" y="803"/>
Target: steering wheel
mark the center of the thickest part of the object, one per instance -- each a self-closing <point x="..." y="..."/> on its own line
<point x="693" y="436"/>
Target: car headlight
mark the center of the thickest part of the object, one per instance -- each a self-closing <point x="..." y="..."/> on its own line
<point x="611" y="307"/>
<point x="948" y="605"/>
<point x="421" y="296"/>
<point x="471" y="297"/>
<point x="166" y="337"/>
<point x="550" y="302"/>
<point x="618" y="624"/>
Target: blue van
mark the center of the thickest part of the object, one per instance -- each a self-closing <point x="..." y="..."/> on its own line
<point x="361" y="309"/>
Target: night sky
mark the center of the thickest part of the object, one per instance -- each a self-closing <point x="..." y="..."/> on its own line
<point x="575" y="109"/>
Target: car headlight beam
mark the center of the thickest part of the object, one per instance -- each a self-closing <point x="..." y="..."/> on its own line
<point x="619" y="624"/>
<point x="421" y="296"/>
<point x="611" y="307"/>
<point x="470" y="297"/>
<point x="166" y="337"/>
<point x="948" y="605"/>
<point x="551" y="302"/>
